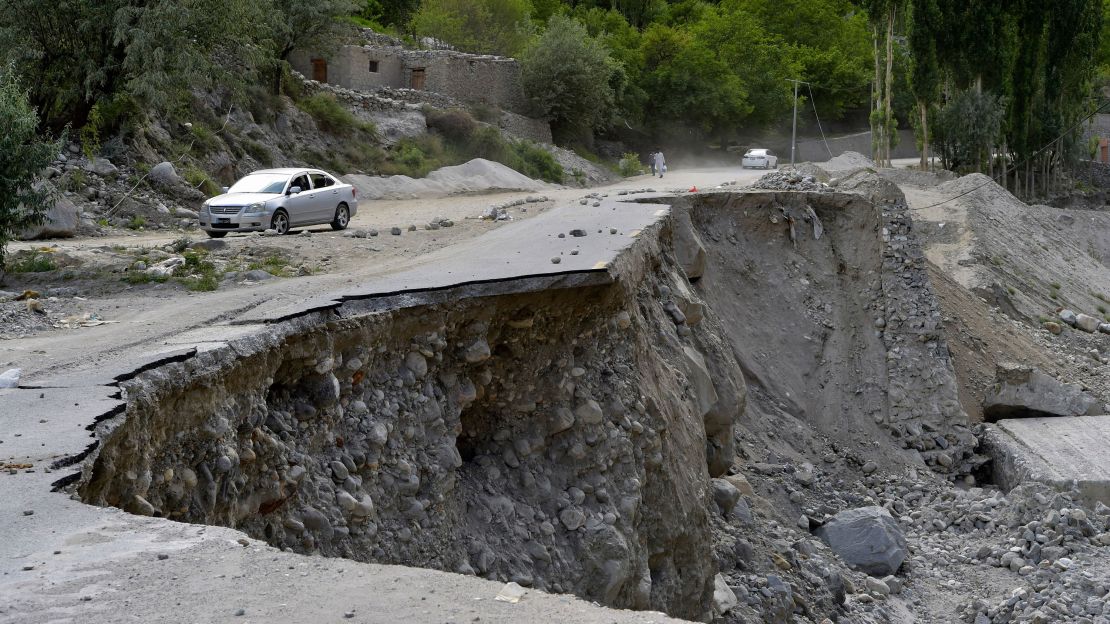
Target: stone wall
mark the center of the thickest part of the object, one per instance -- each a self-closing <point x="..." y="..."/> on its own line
<point x="470" y="78"/>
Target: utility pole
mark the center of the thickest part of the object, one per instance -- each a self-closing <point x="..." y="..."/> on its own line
<point x="794" y="132"/>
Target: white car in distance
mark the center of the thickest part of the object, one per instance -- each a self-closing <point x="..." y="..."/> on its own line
<point x="758" y="158"/>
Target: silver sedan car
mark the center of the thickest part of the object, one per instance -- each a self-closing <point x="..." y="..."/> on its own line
<point x="280" y="199"/>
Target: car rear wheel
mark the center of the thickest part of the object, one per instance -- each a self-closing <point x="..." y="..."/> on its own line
<point x="280" y="222"/>
<point x="215" y="234"/>
<point x="342" y="217"/>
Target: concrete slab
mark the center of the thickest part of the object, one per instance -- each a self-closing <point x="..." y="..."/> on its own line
<point x="524" y="250"/>
<point x="1061" y="452"/>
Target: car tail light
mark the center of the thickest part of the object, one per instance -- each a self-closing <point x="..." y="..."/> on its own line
<point x="354" y="192"/>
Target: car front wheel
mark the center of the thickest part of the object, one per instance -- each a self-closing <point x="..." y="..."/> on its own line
<point x="342" y="217"/>
<point x="280" y="222"/>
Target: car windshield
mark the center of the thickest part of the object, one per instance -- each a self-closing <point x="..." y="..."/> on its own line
<point x="260" y="183"/>
<point x="757" y="152"/>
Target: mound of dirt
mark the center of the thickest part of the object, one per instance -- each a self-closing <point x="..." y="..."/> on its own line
<point x="1026" y="260"/>
<point x="847" y="161"/>
<point x="477" y="176"/>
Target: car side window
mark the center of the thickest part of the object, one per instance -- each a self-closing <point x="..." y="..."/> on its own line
<point x="301" y="181"/>
<point x="320" y="180"/>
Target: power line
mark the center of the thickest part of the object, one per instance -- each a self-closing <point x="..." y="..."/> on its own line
<point x="1029" y="158"/>
<point x="813" y="101"/>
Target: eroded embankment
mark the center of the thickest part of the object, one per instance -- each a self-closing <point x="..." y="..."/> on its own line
<point x="565" y="438"/>
<point x="560" y="439"/>
<point x="831" y="314"/>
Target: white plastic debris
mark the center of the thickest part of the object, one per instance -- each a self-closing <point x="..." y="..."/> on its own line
<point x="511" y="593"/>
<point x="10" y="378"/>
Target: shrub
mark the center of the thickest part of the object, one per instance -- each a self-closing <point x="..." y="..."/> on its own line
<point x="538" y="162"/>
<point x="137" y="222"/>
<point x="200" y="180"/>
<point x="33" y="262"/>
<point x="333" y="117"/>
<point x="454" y="124"/>
<point x="23" y="154"/>
<point x="629" y="165"/>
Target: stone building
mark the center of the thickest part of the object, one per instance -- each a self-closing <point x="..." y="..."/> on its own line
<point x="382" y="62"/>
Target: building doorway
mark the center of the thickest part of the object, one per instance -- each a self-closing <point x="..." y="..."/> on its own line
<point x="418" y="78"/>
<point x="319" y="70"/>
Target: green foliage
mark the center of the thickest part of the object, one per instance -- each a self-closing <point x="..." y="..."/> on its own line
<point x="630" y="165"/>
<point x="568" y="75"/>
<point x="332" y="116"/>
<point x="200" y="180"/>
<point x="23" y="154"/>
<point x="32" y="262"/>
<point x="136" y="222"/>
<point x="197" y="273"/>
<point x="536" y="162"/>
<point x="483" y="26"/>
<point x="967" y="128"/>
<point x="395" y="13"/>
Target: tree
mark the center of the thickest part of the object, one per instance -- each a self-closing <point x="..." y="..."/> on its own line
<point x="827" y="40"/>
<point x="483" y="26"/>
<point x="306" y="24"/>
<point x="925" y="74"/>
<point x="884" y="17"/>
<point x="967" y="128"/>
<point x="23" y="156"/>
<point x="569" y="77"/>
<point x="396" y="13"/>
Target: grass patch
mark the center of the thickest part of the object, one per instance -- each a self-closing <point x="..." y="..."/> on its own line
<point x="142" y="277"/>
<point x="32" y="262"/>
<point x="333" y="117"/>
<point x="274" y="264"/>
<point x="137" y="222"/>
<point x="197" y="273"/>
<point x="1055" y="285"/>
<point x="200" y="180"/>
<point x="204" y="139"/>
<point x="1102" y="309"/>
<point x="75" y="180"/>
<point x="179" y="245"/>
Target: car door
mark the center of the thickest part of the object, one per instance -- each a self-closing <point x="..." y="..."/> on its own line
<point x="326" y="196"/>
<point x="300" y="206"/>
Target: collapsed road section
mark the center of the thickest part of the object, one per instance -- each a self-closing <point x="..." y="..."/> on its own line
<point x="579" y="426"/>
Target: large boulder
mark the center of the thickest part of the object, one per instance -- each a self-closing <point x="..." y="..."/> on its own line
<point x="1087" y="323"/>
<point x="101" y="167"/>
<point x="1023" y="391"/>
<point x="62" y="221"/>
<point x="164" y="175"/>
<point x="867" y="539"/>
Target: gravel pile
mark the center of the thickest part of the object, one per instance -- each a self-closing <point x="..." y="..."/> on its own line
<point x="788" y="181"/>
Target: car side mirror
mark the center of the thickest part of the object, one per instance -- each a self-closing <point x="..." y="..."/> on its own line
<point x="294" y="190"/>
<point x="224" y="189"/>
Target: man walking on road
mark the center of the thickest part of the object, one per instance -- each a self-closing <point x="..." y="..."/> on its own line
<point x="659" y="163"/>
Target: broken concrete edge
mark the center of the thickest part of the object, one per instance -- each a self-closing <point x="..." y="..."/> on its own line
<point x="1014" y="463"/>
<point x="270" y="335"/>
